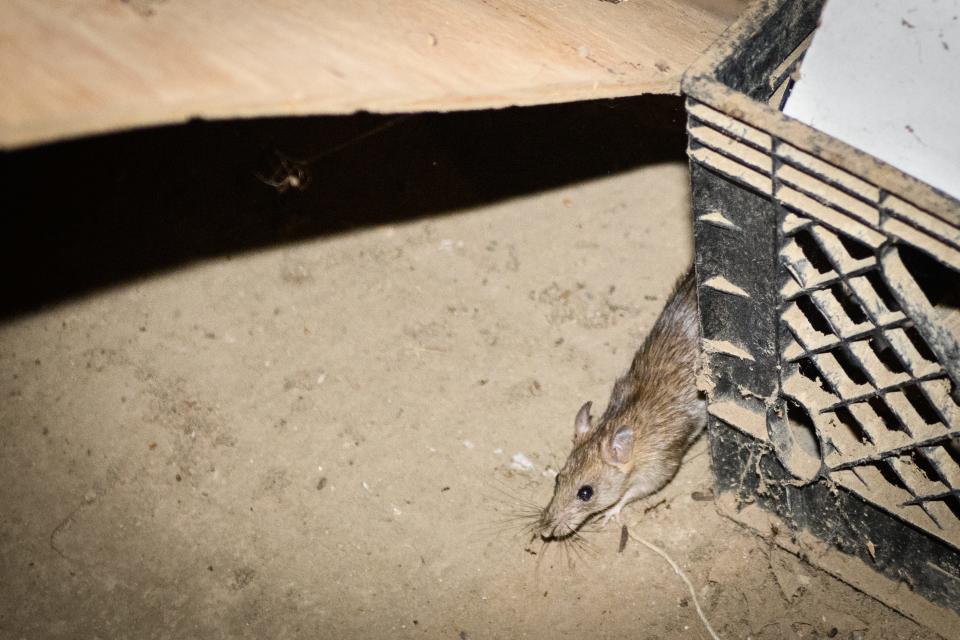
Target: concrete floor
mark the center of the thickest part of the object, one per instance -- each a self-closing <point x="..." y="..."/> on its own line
<point x="313" y="438"/>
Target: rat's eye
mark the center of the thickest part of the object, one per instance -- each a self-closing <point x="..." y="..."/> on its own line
<point x="585" y="492"/>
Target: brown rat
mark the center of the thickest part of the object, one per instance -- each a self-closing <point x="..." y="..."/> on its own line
<point x="655" y="412"/>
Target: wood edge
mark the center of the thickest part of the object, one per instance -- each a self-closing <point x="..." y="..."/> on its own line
<point x="22" y="136"/>
<point x="724" y="46"/>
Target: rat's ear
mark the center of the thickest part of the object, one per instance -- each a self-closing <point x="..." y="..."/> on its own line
<point x="619" y="446"/>
<point x="582" y="425"/>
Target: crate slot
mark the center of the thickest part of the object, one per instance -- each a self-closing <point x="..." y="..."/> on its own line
<point x="838" y="317"/>
<point x="831" y="217"/>
<point x="945" y="463"/>
<point x="815" y="252"/>
<point x="880" y="374"/>
<point x="929" y="293"/>
<point x="943" y="252"/>
<point x="809" y="370"/>
<point x="882" y="473"/>
<point x="850" y="305"/>
<point x="942" y="507"/>
<point x="943" y="512"/>
<point x="844" y="377"/>
<point x="881" y="348"/>
<point x="878" y="484"/>
<point x="856" y="249"/>
<point x="919" y="428"/>
<point x="845" y="255"/>
<point x="808" y="325"/>
<point x="806" y="262"/>
<point x="828" y="194"/>
<point x="929" y="481"/>
<point x="952" y="502"/>
<point x="914" y="477"/>
<point x="828" y="172"/>
<point x="889" y="419"/>
<point x="920" y="218"/>
<point x="919" y="343"/>
<point x="853" y="426"/>
<point x="731" y="169"/>
<point x="807" y="389"/>
<point x="921" y="404"/>
<point x="733" y="127"/>
<point x="882" y="390"/>
<point x="939" y="392"/>
<point x="847" y="437"/>
<point x="881" y="435"/>
<point x="853" y="369"/>
<point x="815" y="315"/>
<point x="940" y="285"/>
<point x="728" y="146"/>
<point x="865" y="288"/>
<point x="920" y="485"/>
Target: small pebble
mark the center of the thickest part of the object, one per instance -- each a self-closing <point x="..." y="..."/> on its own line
<point x="521" y="462"/>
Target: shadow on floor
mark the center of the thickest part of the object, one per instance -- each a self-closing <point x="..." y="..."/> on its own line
<point x="99" y="211"/>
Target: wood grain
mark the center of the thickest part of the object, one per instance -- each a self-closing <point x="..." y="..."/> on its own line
<point x="76" y="67"/>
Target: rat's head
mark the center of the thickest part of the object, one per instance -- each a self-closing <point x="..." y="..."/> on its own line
<point x="593" y="479"/>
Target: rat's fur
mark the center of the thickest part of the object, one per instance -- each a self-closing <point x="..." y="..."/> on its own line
<point x="655" y="412"/>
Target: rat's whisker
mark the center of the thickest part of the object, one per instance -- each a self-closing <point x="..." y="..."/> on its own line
<point x="541" y="558"/>
<point x="509" y="490"/>
<point x="566" y="552"/>
<point x="585" y="545"/>
<point x="517" y="502"/>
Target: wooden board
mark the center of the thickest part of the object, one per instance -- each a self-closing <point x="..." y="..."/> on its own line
<point x="76" y="67"/>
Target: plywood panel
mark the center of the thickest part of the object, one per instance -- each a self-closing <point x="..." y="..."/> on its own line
<point x="75" y="67"/>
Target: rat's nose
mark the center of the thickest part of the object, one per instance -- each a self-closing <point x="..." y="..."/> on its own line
<point x="548" y="535"/>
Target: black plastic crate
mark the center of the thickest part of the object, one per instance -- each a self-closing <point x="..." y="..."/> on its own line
<point x="829" y="287"/>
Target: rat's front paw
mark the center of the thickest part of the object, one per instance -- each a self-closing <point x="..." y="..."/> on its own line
<point x="611" y="514"/>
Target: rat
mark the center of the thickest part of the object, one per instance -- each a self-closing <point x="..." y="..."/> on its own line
<point x="654" y="414"/>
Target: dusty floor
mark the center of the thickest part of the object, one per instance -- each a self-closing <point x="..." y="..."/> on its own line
<point x="314" y="439"/>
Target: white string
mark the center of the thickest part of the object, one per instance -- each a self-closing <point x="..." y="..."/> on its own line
<point x="679" y="572"/>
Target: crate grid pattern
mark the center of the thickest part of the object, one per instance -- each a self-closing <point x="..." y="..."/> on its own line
<point x="856" y="365"/>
